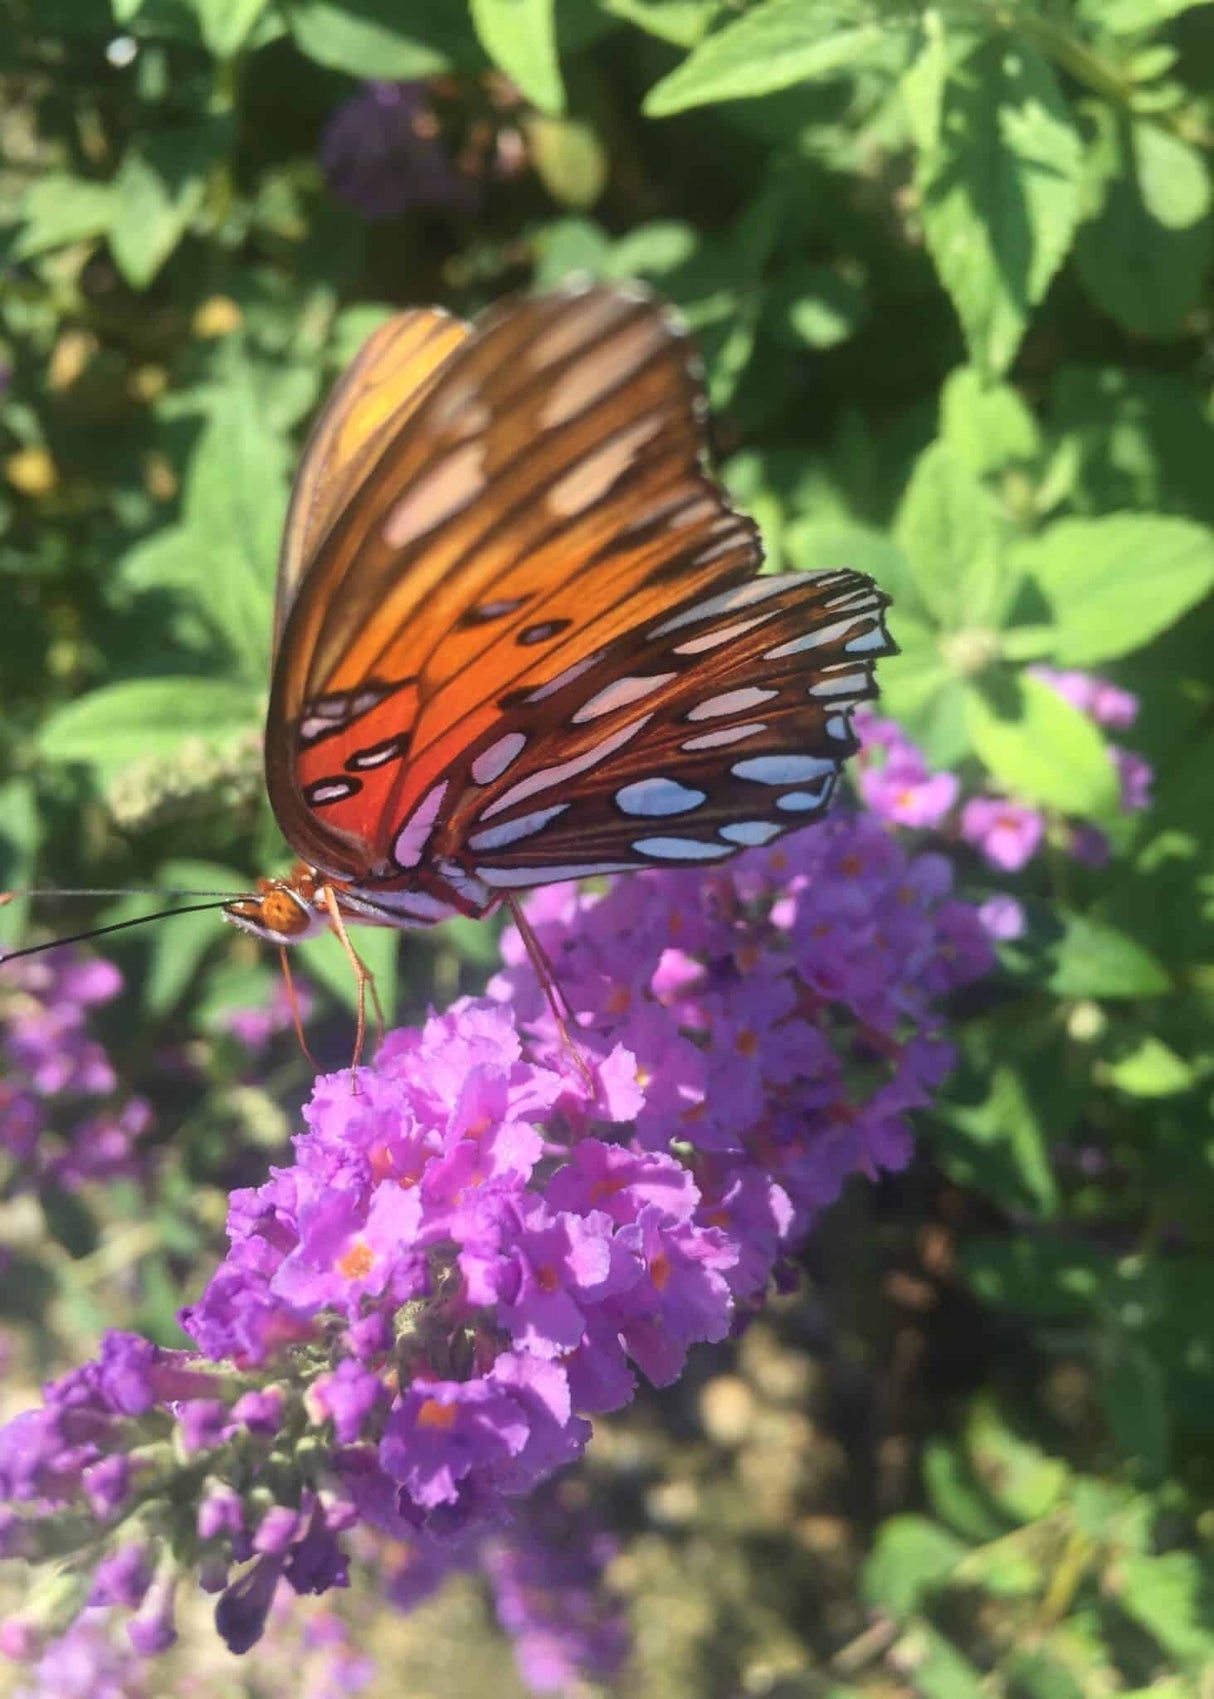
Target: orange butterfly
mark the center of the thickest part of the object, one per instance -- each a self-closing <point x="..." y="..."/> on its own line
<point x="520" y="635"/>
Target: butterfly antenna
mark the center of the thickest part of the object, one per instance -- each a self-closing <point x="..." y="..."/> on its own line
<point x="115" y="891"/>
<point x="293" y="1000"/>
<point x="558" y="1002"/>
<point x="103" y="931"/>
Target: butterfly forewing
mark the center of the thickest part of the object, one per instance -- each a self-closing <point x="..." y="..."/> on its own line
<point x="525" y="637"/>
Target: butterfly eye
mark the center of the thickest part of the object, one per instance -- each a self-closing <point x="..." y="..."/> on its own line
<point x="279" y="915"/>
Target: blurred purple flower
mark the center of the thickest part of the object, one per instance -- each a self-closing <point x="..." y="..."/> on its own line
<point x="894" y="779"/>
<point x="381" y="153"/>
<point x="1135" y="777"/>
<point x="1002" y="917"/>
<point x="51" y="1059"/>
<point x="1099" y="698"/>
<point x="1007" y="833"/>
<point x="256" y="1025"/>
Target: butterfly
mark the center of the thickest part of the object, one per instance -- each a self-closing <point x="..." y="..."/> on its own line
<point x="520" y="636"/>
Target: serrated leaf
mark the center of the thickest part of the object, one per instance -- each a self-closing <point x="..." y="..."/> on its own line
<point x="1041" y="749"/>
<point x="383" y="40"/>
<point x="774" y="45"/>
<point x="58" y="209"/>
<point x="520" y="38"/>
<point x="948" y="531"/>
<point x="1113" y="584"/>
<point x="145" y="717"/>
<point x="1144" y="257"/>
<point x="913" y="1556"/>
<point x="1094" y="959"/>
<point x="1000" y="192"/>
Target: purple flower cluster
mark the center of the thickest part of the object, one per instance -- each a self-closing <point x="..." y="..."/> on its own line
<point x="59" y="1117"/>
<point x="382" y="153"/>
<point x="897" y="784"/>
<point x="480" y="1247"/>
<point x="257" y="1025"/>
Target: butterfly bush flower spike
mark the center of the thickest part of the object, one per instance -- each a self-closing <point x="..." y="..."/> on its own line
<point x="479" y="1250"/>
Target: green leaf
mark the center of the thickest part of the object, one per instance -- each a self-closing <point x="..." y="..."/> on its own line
<point x="1129" y="17"/>
<point x="383" y="39"/>
<point x="1133" y="1391"/>
<point x="58" y="209"/>
<point x="145" y="717"/>
<point x="1094" y="959"/>
<point x="683" y="23"/>
<point x="814" y="306"/>
<point x="774" y="45"/>
<point x="1144" y="257"/>
<point x="327" y="963"/>
<point x="1021" y="1480"/>
<point x="569" y="159"/>
<point x="180" y="943"/>
<point x="941" y="1670"/>
<point x="955" y="1496"/>
<point x="1169" y="1596"/>
<point x="947" y="528"/>
<point x="235" y="503"/>
<point x="1000" y="192"/>
<point x="1041" y="749"/>
<point x="1149" y="1068"/>
<point x="1052" y="1279"/>
<point x="20" y="833"/>
<point x="987" y="424"/>
<point x="159" y="188"/>
<point x="911" y="1559"/>
<point x="520" y="38"/>
<point x="226" y="25"/>
<point x="1113" y="584"/>
<point x="999" y="1146"/>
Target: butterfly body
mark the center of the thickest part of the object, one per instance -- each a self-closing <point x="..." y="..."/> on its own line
<point x="521" y="636"/>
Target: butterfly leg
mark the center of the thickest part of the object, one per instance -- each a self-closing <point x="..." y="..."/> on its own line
<point x="293" y="1000"/>
<point x="562" y="1013"/>
<point x="363" y="978"/>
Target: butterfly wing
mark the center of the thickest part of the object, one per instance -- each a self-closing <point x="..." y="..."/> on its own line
<point x="532" y="643"/>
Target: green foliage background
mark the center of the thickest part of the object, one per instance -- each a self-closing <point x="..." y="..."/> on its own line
<point x="950" y="266"/>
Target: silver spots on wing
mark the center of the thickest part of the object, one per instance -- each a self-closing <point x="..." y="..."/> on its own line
<point x="513" y="831"/>
<point x="731" y="702"/>
<point x="327" y="714"/>
<point x="414" y="835"/>
<point x="602" y="371"/>
<point x="436" y="495"/>
<point x="488" y="611"/>
<point x="491" y="763"/>
<point x="378" y="754"/>
<point x="723" y="738"/>
<point x="620" y="693"/>
<point x="331" y="790"/>
<point x="590" y="478"/>
<point x="800" y="802"/>
<point x="679" y="849"/>
<point x="658" y="796"/>
<point x="549" y="776"/>
<point x="783" y="769"/>
<point x="751" y="833"/>
<point x="717" y="637"/>
<point x="544" y="632"/>
<point x="729" y="601"/>
<point x="830" y="682"/>
<point x="562" y="679"/>
<point x="520" y="878"/>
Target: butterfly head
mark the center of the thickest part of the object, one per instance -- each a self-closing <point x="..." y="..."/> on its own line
<point x="282" y="911"/>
